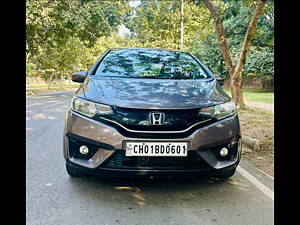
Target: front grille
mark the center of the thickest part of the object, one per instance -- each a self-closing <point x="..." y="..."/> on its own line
<point x="145" y="135"/>
<point x="119" y="161"/>
<point x="138" y="119"/>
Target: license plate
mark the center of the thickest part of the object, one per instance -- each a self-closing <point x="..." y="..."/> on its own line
<point x="156" y="149"/>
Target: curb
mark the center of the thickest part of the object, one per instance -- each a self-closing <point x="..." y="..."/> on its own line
<point x="251" y="143"/>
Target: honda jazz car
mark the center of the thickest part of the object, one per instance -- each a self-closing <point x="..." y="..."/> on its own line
<point x="150" y="112"/>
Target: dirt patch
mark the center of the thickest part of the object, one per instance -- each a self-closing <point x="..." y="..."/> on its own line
<point x="262" y="105"/>
<point x="259" y="124"/>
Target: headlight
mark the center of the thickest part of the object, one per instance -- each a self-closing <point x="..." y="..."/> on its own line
<point x="219" y="111"/>
<point x="88" y="108"/>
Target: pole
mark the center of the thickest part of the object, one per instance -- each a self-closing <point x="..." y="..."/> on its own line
<point x="181" y="30"/>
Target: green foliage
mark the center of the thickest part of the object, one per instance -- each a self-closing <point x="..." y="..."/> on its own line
<point x="31" y="69"/>
<point x="61" y="33"/>
<point x="87" y="20"/>
<point x="68" y="36"/>
<point x="157" y="23"/>
<point x="236" y="16"/>
<point x="39" y="25"/>
<point x="208" y="51"/>
<point x="260" y="62"/>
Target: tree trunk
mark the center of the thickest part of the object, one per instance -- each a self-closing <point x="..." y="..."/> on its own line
<point x="221" y="36"/>
<point x="235" y="72"/>
<point x="61" y="81"/>
<point x="236" y="79"/>
<point x="51" y="77"/>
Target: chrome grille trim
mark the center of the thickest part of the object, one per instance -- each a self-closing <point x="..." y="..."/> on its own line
<point x="157" y="132"/>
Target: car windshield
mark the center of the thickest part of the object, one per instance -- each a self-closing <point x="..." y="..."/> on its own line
<point x="146" y="63"/>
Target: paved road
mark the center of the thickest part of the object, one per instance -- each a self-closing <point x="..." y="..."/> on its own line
<point x="52" y="197"/>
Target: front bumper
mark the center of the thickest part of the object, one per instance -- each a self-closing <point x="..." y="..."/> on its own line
<point x="107" y="142"/>
<point x="155" y="173"/>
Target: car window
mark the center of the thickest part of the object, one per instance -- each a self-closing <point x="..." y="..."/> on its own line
<point x="142" y="63"/>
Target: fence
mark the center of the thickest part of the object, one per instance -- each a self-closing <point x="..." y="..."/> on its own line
<point x="255" y="82"/>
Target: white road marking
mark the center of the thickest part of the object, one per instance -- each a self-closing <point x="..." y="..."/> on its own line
<point x="256" y="182"/>
<point x="266" y="174"/>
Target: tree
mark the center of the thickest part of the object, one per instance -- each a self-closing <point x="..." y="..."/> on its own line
<point x="59" y="34"/>
<point x="235" y="17"/>
<point x="236" y="79"/>
<point x="235" y="71"/>
<point x="66" y="36"/>
<point x="39" y="25"/>
<point x="52" y="23"/>
<point x="156" y="23"/>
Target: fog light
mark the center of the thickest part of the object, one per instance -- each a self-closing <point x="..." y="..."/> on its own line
<point x="84" y="150"/>
<point x="224" y="151"/>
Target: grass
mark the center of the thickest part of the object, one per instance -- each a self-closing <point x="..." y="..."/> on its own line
<point x="36" y="91"/>
<point x="256" y="95"/>
<point x="52" y="85"/>
<point x="42" y="88"/>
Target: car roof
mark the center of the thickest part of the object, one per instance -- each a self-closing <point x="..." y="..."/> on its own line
<point x="158" y="49"/>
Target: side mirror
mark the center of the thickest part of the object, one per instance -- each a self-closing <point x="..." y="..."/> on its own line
<point x="79" y="77"/>
<point x="220" y="81"/>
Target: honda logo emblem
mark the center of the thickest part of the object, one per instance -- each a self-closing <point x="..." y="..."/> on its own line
<point x="156" y="118"/>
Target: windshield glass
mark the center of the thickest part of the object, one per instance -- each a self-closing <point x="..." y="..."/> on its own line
<point x="147" y="63"/>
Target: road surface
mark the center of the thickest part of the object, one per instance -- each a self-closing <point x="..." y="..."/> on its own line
<point x="52" y="197"/>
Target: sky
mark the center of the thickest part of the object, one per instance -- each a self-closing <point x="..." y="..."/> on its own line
<point x="123" y="30"/>
<point x="134" y="3"/>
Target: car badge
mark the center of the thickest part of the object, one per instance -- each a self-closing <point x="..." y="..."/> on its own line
<point x="156" y="118"/>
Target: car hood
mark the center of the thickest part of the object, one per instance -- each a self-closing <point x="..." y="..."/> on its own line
<point x="154" y="93"/>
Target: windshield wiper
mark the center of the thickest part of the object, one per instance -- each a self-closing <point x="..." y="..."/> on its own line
<point x="162" y="67"/>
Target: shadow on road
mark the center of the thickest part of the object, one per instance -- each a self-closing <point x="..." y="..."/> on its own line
<point x="154" y="192"/>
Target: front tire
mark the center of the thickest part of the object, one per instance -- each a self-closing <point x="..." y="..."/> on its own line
<point x="74" y="172"/>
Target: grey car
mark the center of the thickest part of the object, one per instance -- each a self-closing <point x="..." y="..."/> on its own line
<point x="151" y="112"/>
